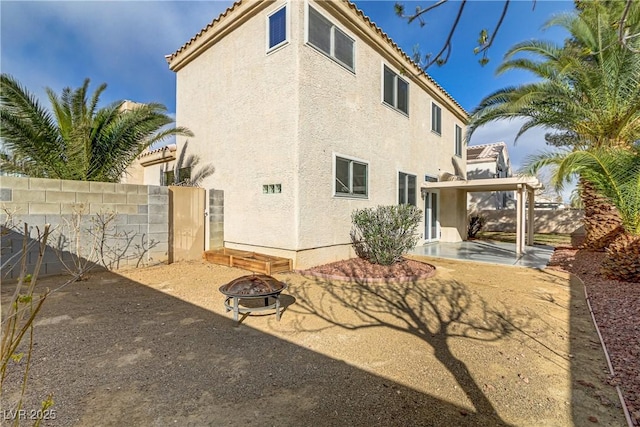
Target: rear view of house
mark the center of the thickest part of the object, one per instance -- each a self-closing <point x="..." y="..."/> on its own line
<point x="309" y="111"/>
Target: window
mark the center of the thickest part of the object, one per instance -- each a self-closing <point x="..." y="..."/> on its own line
<point x="395" y="91"/>
<point x="329" y="39"/>
<point x="458" y="133"/>
<point x="436" y="119"/>
<point x="278" y="28"/>
<point x="168" y="177"/>
<point x="350" y="178"/>
<point x="406" y="189"/>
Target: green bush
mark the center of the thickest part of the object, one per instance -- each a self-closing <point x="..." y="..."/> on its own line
<point x="383" y="234"/>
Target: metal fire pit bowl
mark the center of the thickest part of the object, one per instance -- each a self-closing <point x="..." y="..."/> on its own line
<point x="252" y="287"/>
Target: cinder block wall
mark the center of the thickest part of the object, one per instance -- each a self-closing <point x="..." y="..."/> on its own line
<point x="139" y="230"/>
<point x="563" y="221"/>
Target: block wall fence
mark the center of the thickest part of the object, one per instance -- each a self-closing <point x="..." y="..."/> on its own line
<point x="139" y="230"/>
<point x="565" y="221"/>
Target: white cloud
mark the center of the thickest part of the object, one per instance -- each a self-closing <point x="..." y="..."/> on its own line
<point x="530" y="143"/>
<point x="58" y="44"/>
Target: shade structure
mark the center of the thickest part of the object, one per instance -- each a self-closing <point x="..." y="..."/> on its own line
<point x="524" y="186"/>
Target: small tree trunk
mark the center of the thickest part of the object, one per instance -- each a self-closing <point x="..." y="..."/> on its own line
<point x="602" y="223"/>
<point x="622" y="259"/>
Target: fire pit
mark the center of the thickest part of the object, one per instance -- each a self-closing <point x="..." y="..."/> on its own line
<point x="252" y="287"/>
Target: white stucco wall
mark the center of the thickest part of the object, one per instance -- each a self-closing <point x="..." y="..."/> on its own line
<point x="241" y="104"/>
<point x="280" y="117"/>
<point x="341" y="112"/>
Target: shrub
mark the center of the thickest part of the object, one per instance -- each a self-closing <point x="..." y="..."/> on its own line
<point x="476" y="223"/>
<point x="383" y="234"/>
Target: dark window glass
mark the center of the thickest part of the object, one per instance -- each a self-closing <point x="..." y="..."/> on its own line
<point x="359" y="178"/>
<point x="167" y="178"/>
<point x="411" y="190"/>
<point x="458" y="141"/>
<point x="406" y="189"/>
<point x="329" y="39"/>
<point x="319" y="31"/>
<point x="278" y="27"/>
<point x="342" y="176"/>
<point x="343" y="48"/>
<point x="402" y="188"/>
<point x="436" y="119"/>
<point x="389" y="82"/>
<point x="395" y="91"/>
<point x="351" y="177"/>
<point x="403" y="96"/>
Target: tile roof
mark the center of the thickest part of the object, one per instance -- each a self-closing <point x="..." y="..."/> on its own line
<point x="358" y="13"/>
<point x="169" y="147"/>
<point x="204" y="30"/>
<point x="485" y="151"/>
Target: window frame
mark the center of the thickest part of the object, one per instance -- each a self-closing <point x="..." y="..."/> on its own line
<point x="334" y="178"/>
<point x="332" y="39"/>
<point x="396" y="80"/>
<point x="457" y="132"/>
<point x="405" y="176"/>
<point x="286" y="30"/>
<point x="435" y="106"/>
<point x="168" y="176"/>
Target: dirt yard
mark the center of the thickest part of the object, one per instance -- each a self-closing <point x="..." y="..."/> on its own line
<point x="475" y="345"/>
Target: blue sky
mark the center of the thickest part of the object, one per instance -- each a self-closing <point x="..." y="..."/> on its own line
<point x="123" y="43"/>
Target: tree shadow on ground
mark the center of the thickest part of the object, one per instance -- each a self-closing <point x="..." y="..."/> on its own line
<point x="434" y="310"/>
<point x="115" y="352"/>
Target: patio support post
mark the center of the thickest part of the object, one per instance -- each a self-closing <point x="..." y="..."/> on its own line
<point x="520" y="213"/>
<point x="531" y="197"/>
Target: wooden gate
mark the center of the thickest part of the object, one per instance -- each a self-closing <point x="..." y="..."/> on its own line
<point x="186" y="223"/>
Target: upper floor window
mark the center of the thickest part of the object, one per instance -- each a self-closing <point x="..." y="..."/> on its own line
<point x="458" y="132"/>
<point x="351" y="177"/>
<point x="406" y="189"/>
<point x="329" y="39"/>
<point x="395" y="91"/>
<point x="278" y="28"/>
<point x="436" y="118"/>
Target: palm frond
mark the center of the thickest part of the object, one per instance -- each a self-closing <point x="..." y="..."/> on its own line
<point x="77" y="139"/>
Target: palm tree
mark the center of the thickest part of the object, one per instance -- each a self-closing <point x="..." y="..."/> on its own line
<point x="75" y="139"/>
<point x="587" y="95"/>
<point x="615" y="174"/>
<point x="184" y="171"/>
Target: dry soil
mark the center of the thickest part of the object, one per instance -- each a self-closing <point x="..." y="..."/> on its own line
<point x="474" y="345"/>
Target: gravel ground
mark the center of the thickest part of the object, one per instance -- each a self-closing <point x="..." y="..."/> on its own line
<point x="616" y="306"/>
<point x="474" y="345"/>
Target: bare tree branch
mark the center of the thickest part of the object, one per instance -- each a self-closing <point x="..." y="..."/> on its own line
<point x="492" y="37"/>
<point x="419" y="12"/>
<point x="447" y="44"/>
<point x="485" y="42"/>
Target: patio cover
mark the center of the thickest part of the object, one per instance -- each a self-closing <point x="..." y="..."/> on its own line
<point x="522" y="185"/>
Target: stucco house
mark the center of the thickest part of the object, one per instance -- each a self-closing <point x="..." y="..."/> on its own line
<point x="488" y="161"/>
<point x="152" y="167"/>
<point x="309" y="111"/>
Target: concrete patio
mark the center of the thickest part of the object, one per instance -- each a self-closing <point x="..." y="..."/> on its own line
<point x="488" y="251"/>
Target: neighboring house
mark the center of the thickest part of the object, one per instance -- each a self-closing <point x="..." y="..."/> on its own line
<point x="309" y="111"/>
<point x="153" y="167"/>
<point x="489" y="161"/>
